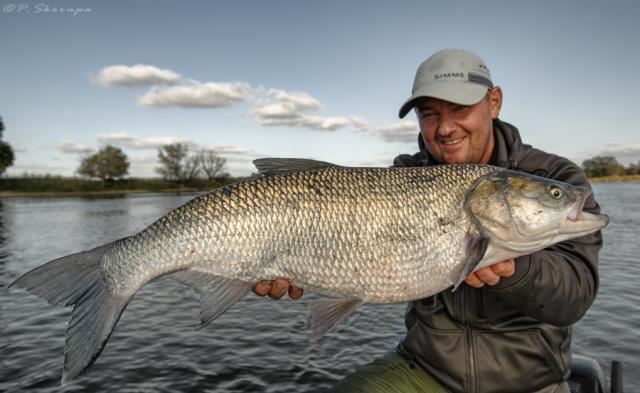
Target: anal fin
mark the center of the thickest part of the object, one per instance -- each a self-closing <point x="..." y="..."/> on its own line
<point x="217" y="293"/>
<point x="327" y="313"/>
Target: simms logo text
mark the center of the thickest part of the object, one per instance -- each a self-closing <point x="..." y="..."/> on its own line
<point x="449" y="75"/>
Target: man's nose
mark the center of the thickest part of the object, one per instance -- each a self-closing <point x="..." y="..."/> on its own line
<point x="447" y="124"/>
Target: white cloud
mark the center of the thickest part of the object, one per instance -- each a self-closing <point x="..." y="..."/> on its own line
<point x="73" y="148"/>
<point x="323" y="123"/>
<point x="137" y="75"/>
<point x="282" y="108"/>
<point x="225" y="150"/>
<point x="403" y="131"/>
<point x="196" y="95"/>
<point x="273" y="107"/>
<point x="126" y="140"/>
<point x="359" y="123"/>
<point x="296" y="99"/>
<point x="625" y="154"/>
<point x="123" y="139"/>
<point x="375" y="162"/>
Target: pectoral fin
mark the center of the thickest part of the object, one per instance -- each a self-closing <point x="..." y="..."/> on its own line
<point x="476" y="246"/>
<point x="217" y="293"/>
<point x="327" y="313"/>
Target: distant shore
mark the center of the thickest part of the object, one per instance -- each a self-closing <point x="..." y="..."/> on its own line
<point x="615" y="179"/>
<point x="53" y="186"/>
<point x="97" y="194"/>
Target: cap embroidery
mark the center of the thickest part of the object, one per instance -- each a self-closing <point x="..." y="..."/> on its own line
<point x="449" y="75"/>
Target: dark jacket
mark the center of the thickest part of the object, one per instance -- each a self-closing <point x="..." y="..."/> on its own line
<point x="515" y="336"/>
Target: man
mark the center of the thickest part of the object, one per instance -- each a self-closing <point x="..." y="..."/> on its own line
<point x="509" y="328"/>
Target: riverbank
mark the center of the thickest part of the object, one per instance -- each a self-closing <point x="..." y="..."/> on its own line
<point x="615" y="179"/>
<point x="53" y="186"/>
<point x="94" y="194"/>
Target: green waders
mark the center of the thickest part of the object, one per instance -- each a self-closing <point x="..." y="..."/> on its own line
<point x="394" y="372"/>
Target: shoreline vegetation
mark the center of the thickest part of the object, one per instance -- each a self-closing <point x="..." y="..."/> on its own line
<point x="615" y="179"/>
<point x="55" y="186"/>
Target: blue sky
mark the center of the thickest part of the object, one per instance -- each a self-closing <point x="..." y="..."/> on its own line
<point x="307" y="79"/>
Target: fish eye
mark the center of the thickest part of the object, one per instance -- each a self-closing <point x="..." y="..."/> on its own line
<point x="555" y="192"/>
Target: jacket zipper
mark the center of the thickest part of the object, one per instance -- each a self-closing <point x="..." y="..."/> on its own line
<point x="469" y="338"/>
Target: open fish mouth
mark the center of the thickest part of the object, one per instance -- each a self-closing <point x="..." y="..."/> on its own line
<point x="582" y="222"/>
<point x="576" y="213"/>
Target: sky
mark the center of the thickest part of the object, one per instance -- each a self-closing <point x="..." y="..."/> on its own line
<point x="321" y="80"/>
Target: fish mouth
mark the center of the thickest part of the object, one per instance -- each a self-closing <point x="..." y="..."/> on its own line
<point x="577" y="214"/>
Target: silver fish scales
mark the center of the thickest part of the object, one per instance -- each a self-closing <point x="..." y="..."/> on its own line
<point x="357" y="232"/>
<point x="378" y="235"/>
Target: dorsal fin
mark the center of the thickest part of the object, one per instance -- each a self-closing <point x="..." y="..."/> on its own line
<point x="272" y="166"/>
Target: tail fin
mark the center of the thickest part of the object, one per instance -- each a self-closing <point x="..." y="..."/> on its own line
<point x="78" y="280"/>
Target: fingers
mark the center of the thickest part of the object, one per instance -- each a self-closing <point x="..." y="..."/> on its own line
<point x="474" y="281"/>
<point x="276" y="289"/>
<point x="279" y="287"/>
<point x="505" y="268"/>
<point x="491" y="275"/>
<point x="262" y="288"/>
<point x="295" y="292"/>
<point x="487" y="276"/>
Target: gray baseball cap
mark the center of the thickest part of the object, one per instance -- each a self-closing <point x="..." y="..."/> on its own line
<point x="453" y="75"/>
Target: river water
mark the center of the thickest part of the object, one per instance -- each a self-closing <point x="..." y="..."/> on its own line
<point x="259" y="345"/>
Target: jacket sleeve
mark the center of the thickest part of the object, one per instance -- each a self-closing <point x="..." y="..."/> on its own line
<point x="558" y="284"/>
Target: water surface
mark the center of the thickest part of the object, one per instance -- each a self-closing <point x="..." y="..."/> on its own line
<point x="258" y="345"/>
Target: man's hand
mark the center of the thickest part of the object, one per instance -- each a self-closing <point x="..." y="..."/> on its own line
<point x="277" y="288"/>
<point x="490" y="275"/>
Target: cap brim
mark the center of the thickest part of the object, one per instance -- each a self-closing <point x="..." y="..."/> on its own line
<point x="457" y="92"/>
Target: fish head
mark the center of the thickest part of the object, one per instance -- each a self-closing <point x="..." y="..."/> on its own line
<point x="523" y="213"/>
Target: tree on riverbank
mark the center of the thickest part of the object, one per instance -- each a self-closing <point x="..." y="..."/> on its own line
<point x="173" y="162"/>
<point x="602" y="166"/>
<point x="211" y="164"/>
<point x="6" y="152"/>
<point x="178" y="165"/>
<point x="109" y="163"/>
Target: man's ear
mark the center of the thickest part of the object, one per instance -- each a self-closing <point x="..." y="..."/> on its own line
<point x="495" y="101"/>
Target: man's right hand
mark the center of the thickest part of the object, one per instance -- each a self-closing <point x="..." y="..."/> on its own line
<point x="491" y="275"/>
<point x="277" y="288"/>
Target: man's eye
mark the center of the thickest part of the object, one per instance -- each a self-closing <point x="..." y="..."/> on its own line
<point x="428" y="114"/>
<point x="460" y="108"/>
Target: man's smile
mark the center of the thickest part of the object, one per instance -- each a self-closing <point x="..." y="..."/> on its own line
<point x="452" y="141"/>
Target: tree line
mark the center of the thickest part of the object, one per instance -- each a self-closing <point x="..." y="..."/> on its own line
<point x="176" y="163"/>
<point x="608" y="166"/>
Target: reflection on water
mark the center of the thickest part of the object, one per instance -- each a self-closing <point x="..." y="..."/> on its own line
<point x="258" y="345"/>
<point x="3" y="249"/>
<point x="3" y="257"/>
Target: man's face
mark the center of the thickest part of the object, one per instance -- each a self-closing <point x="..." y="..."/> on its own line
<point x="459" y="134"/>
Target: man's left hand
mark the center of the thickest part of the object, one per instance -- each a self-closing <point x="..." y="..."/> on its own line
<point x="491" y="275"/>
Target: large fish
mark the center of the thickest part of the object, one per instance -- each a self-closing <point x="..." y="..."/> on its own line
<point x="377" y="235"/>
